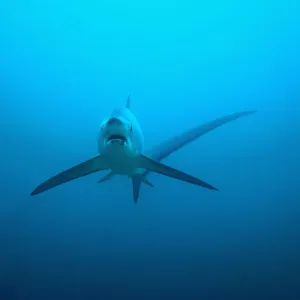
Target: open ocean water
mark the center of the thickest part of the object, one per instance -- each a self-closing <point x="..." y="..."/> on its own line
<point x="66" y="64"/>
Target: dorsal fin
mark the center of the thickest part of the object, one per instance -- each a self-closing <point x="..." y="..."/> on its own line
<point x="128" y="102"/>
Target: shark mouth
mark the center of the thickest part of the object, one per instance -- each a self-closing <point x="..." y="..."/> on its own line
<point x="117" y="138"/>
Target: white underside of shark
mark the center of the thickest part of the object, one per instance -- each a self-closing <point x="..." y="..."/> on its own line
<point x="121" y="152"/>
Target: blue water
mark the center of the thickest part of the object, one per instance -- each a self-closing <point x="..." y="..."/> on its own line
<point x="66" y="64"/>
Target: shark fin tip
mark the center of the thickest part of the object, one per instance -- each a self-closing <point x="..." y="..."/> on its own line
<point x="35" y="192"/>
<point x="128" y="101"/>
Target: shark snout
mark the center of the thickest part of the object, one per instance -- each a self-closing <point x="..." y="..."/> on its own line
<point x="114" y="121"/>
<point x="116" y="130"/>
<point x="118" y="125"/>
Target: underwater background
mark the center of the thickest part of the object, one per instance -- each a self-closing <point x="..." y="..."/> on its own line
<point x="66" y="64"/>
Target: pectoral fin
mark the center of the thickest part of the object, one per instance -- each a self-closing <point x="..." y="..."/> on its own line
<point x="157" y="167"/>
<point x="90" y="166"/>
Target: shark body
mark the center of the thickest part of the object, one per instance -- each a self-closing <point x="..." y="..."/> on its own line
<point x="121" y="151"/>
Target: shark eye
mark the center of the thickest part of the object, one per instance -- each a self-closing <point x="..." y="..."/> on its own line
<point x="130" y="127"/>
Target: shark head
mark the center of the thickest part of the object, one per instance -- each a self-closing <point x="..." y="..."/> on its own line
<point x="121" y="129"/>
<point x="120" y="142"/>
<point x="115" y="130"/>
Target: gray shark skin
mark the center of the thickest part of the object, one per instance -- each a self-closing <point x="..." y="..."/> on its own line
<point x="121" y="151"/>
